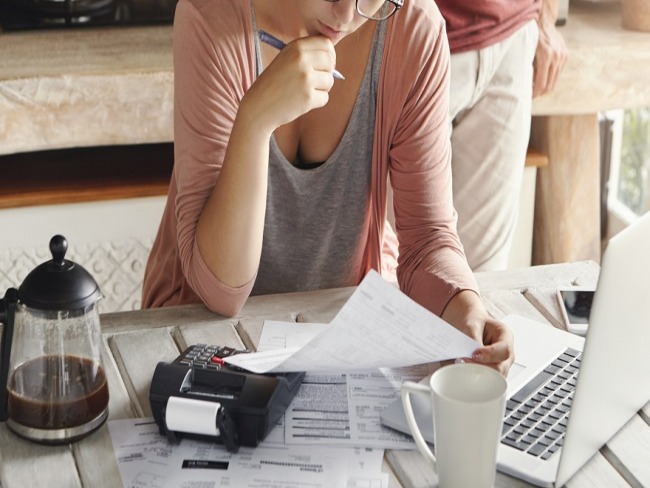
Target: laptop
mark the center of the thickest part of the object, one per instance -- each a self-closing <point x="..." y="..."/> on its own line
<point x="555" y="422"/>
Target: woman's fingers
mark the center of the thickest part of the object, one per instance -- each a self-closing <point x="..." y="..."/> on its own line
<point x="296" y="81"/>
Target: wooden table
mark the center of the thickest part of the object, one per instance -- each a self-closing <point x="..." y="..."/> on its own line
<point x="133" y="343"/>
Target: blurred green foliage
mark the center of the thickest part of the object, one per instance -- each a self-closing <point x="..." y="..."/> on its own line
<point x="634" y="177"/>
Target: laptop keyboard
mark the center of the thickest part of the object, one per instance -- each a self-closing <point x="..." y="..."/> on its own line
<point x="536" y="416"/>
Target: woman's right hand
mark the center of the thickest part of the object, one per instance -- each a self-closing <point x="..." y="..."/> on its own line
<point x="296" y="81"/>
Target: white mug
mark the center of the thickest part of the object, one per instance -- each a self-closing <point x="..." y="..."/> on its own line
<point x="468" y="405"/>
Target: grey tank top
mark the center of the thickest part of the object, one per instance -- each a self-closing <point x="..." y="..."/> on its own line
<point x="317" y="219"/>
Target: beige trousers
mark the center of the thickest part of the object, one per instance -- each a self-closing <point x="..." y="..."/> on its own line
<point x="490" y="109"/>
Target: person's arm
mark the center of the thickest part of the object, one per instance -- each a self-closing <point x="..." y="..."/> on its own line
<point x="223" y="120"/>
<point x="432" y="268"/>
<point x="231" y="225"/>
<point x="551" y="53"/>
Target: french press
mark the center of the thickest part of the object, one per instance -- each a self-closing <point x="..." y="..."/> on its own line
<point x="53" y="387"/>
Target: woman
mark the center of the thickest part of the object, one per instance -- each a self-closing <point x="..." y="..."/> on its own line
<point x="280" y="172"/>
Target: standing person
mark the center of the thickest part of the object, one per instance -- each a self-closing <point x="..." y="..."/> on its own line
<point x="503" y="54"/>
<point x="280" y="173"/>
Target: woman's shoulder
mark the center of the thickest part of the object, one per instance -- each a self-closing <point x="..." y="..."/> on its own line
<point x="417" y="31"/>
<point x="217" y="34"/>
<point x="219" y="16"/>
<point x="418" y="19"/>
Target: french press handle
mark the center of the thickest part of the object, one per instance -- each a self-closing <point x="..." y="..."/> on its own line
<point x="8" y="306"/>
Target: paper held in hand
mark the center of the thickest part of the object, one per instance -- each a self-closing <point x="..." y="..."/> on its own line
<point x="379" y="326"/>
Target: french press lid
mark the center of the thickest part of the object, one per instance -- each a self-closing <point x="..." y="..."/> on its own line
<point x="59" y="284"/>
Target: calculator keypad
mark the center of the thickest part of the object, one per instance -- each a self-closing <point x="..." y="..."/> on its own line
<point x="206" y="356"/>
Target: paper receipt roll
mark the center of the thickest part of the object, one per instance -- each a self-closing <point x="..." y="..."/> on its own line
<point x="192" y="416"/>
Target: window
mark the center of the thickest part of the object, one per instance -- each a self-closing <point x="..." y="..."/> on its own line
<point x="629" y="167"/>
<point x="633" y="183"/>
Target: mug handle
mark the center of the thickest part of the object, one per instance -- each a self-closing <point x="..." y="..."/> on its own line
<point x="409" y="387"/>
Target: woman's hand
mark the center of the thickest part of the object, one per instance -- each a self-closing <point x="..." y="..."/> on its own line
<point x="466" y="312"/>
<point x="296" y="81"/>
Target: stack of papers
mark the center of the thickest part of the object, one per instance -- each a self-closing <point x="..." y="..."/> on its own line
<point x="331" y="435"/>
<point x="147" y="460"/>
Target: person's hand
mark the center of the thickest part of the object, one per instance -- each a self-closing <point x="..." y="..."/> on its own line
<point x="498" y="346"/>
<point x="551" y="53"/>
<point x="466" y="312"/>
<point x="296" y="81"/>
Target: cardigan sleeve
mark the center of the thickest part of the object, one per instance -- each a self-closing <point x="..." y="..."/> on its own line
<point x="210" y="78"/>
<point x="432" y="266"/>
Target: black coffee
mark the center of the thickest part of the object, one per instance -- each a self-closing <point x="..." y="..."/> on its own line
<point x="55" y="392"/>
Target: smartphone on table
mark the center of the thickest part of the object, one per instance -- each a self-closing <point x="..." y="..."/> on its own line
<point x="575" y="304"/>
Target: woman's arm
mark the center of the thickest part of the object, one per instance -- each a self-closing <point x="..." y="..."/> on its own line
<point x="223" y="119"/>
<point x="231" y="225"/>
<point x="432" y="266"/>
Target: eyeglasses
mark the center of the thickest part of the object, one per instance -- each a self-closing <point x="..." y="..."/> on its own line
<point x="376" y="9"/>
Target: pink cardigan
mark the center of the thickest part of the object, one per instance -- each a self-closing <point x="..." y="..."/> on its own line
<point x="214" y="65"/>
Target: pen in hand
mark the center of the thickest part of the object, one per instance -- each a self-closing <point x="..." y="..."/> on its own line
<point x="273" y="41"/>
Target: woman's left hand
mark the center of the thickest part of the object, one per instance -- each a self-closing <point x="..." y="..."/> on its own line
<point x="498" y="347"/>
<point x="466" y="312"/>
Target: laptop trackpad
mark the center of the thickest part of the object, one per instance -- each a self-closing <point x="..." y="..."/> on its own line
<point x="515" y="370"/>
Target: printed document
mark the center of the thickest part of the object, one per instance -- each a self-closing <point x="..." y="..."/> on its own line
<point x="338" y="408"/>
<point x="147" y="460"/>
<point x="379" y="326"/>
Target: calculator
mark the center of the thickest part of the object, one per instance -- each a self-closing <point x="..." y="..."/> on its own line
<point x="241" y="407"/>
